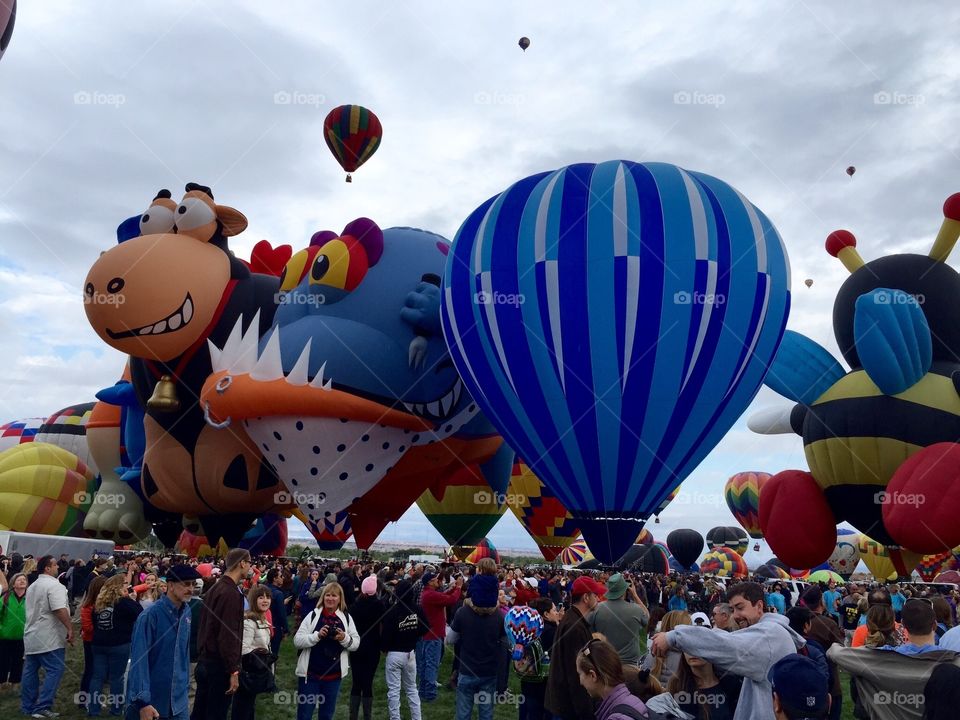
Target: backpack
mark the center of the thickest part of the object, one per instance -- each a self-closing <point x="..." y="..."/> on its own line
<point x="636" y="714"/>
<point x="534" y="666"/>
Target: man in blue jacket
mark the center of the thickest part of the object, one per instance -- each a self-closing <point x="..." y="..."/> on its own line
<point x="278" y="609"/>
<point x="159" y="675"/>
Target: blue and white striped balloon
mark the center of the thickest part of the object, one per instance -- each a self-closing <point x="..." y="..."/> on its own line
<point x="614" y="321"/>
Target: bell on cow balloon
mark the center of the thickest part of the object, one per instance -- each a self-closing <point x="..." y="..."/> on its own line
<point x="164" y="396"/>
<point x="524" y="43"/>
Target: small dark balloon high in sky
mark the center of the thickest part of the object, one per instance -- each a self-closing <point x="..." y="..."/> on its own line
<point x="524" y="43"/>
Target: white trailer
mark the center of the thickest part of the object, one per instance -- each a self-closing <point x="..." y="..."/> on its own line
<point x="38" y="545"/>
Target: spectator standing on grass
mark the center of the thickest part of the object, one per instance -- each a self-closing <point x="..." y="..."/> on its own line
<point x="478" y="625"/>
<point x="367" y="613"/>
<point x="403" y="626"/>
<point x="13" y="615"/>
<point x="86" y="634"/>
<point x="621" y="620"/>
<point x="429" y="648"/>
<point x="113" y="618"/>
<point x="47" y="631"/>
<point x="159" y="676"/>
<point x="600" y="674"/>
<point x="256" y="659"/>
<point x="278" y="610"/>
<point x="325" y="639"/>
<point x="534" y="667"/>
<point x="220" y="640"/>
<point x="565" y="697"/>
<point x="825" y="630"/>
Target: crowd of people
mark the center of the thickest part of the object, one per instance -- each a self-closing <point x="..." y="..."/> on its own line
<point x="163" y="638"/>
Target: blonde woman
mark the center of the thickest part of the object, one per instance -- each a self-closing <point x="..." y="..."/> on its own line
<point x="114" y="614"/>
<point x="663" y="668"/>
<point x="325" y="639"/>
<point x="256" y="658"/>
<point x="148" y="591"/>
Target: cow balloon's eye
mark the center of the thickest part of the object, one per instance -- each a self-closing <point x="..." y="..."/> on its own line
<point x="193" y="213"/>
<point x="156" y="220"/>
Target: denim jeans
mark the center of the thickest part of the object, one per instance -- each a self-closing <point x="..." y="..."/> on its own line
<point x="314" y="693"/>
<point x="401" y="671"/>
<point x="33" y="697"/>
<point x="109" y="663"/>
<point x="477" y="690"/>
<point x="428" y="664"/>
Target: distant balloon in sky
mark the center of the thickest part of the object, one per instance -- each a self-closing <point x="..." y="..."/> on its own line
<point x="353" y="135"/>
<point x="557" y="290"/>
<point x="8" y="16"/>
<point x="524" y="43"/>
<point x="808" y="282"/>
<point x="851" y="170"/>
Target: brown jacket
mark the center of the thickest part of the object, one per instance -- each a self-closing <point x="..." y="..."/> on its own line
<point x="565" y="696"/>
<point x="221" y="624"/>
<point x="826" y="632"/>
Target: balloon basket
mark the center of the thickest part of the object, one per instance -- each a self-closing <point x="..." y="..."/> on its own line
<point x="349" y="178"/>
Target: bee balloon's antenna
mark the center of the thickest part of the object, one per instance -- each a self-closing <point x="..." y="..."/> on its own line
<point x="842" y="244"/>
<point x="949" y="231"/>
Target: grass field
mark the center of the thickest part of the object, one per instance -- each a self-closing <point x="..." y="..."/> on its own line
<point x="275" y="708"/>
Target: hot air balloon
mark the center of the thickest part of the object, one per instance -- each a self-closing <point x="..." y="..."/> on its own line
<point x="195" y="546"/>
<point x="685" y="545"/>
<point x="67" y="429"/>
<point x="575" y="553"/>
<point x="353" y="135"/>
<point x="846" y="555"/>
<point x="523" y="625"/>
<point x="524" y="43"/>
<point x="932" y="565"/>
<point x="267" y="537"/>
<point x="742" y="493"/>
<point x="464" y="510"/>
<point x="8" y="16"/>
<point x="950" y="576"/>
<point x="769" y="570"/>
<point x="644" y="538"/>
<point x="18" y="432"/>
<point x="851" y="170"/>
<point x="484" y="549"/>
<point x="44" y="489"/>
<point x="675" y="566"/>
<point x="540" y="512"/>
<point x="729" y="537"/>
<point x="725" y="562"/>
<point x="653" y="559"/>
<point x="808" y="282"/>
<point x="663" y="506"/>
<point x="330" y="533"/>
<point x="887" y="562"/>
<point x="545" y="311"/>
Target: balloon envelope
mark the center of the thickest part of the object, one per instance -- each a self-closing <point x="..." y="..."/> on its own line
<point x="524" y="43"/>
<point x="685" y="545"/>
<point x="8" y="16"/>
<point x="557" y="293"/>
<point x="540" y="512"/>
<point x="353" y="135"/>
<point x="742" y="493"/>
<point x="484" y="549"/>
<point x="724" y="562"/>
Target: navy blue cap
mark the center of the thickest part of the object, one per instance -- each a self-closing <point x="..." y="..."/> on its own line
<point x="802" y="687"/>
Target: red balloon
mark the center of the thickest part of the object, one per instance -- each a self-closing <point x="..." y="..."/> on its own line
<point x="353" y="135"/>
<point x="919" y="504"/>
<point x="799" y="526"/>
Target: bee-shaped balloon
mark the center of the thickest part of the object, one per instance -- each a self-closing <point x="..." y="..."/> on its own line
<point x="882" y="439"/>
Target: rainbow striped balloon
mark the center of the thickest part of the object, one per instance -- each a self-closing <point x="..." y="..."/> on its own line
<point x="576" y="553"/>
<point x="484" y="549"/>
<point x="614" y="321"/>
<point x="724" y="562"/>
<point x="742" y="492"/>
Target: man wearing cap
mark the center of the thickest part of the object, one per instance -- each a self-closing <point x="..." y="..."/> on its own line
<point x="565" y="696"/>
<point x="620" y="620"/>
<point x="799" y="689"/>
<point x="434" y="604"/>
<point x="278" y="609"/>
<point x="220" y="640"/>
<point x="159" y="676"/>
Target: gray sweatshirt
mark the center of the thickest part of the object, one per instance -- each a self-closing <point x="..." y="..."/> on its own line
<point x="749" y="652"/>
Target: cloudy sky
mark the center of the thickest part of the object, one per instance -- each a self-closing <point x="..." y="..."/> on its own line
<point x="104" y="103"/>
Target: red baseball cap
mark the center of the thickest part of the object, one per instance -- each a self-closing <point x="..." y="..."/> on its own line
<point x="583" y="585"/>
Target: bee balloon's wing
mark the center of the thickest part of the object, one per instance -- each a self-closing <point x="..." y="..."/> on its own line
<point x="802" y="370"/>
<point x="893" y="339"/>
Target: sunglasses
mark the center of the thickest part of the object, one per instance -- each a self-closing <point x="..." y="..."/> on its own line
<point x="585" y="651"/>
